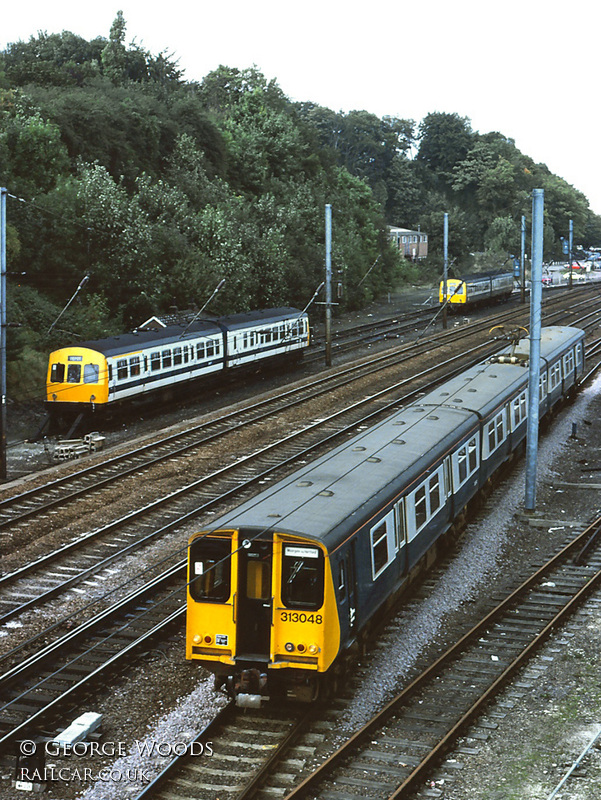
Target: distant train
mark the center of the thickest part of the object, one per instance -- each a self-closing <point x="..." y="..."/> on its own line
<point x="472" y="290"/>
<point x="281" y="589"/>
<point x="103" y="374"/>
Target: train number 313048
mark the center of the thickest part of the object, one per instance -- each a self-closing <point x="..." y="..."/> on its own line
<point x="295" y="616"/>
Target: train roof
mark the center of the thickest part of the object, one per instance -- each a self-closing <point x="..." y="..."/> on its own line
<point x="483" y="387"/>
<point x="552" y="339"/>
<point x="270" y="315"/>
<point x="128" y="342"/>
<point x="172" y="334"/>
<point x="333" y="496"/>
<point x="483" y="276"/>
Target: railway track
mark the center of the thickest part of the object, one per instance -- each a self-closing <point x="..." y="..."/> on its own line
<point x="32" y="720"/>
<point x="60" y="673"/>
<point x="35" y="583"/>
<point x="39" y="500"/>
<point x="245" y="749"/>
<point x="391" y="756"/>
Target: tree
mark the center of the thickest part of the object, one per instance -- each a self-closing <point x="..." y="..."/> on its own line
<point x="444" y="141"/>
<point x="114" y="56"/>
<point x="32" y="154"/>
<point x="58" y="59"/>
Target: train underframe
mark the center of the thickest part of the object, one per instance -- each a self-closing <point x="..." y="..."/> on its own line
<point x="73" y="418"/>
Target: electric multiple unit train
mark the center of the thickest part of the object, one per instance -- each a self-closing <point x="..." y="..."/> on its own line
<point x="281" y="589"/>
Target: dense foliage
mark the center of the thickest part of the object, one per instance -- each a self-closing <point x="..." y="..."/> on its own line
<point x="482" y="181"/>
<point x="157" y="188"/>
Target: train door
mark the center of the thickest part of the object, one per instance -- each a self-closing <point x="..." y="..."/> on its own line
<point x="352" y="586"/>
<point x="112" y="380"/>
<point x="347" y="589"/>
<point x="254" y="600"/>
<point x="400" y="536"/>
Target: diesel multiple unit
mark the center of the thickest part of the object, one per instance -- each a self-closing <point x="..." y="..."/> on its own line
<point x="103" y="374"/>
<point x="281" y="588"/>
<point x="472" y="290"/>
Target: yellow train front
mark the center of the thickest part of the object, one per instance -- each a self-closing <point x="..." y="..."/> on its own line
<point x="78" y="377"/>
<point x="258" y="604"/>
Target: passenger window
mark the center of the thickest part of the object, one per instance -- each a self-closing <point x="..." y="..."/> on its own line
<point x="210" y="569"/>
<point x="434" y="494"/>
<point x="166" y="359"/>
<point x="73" y="373"/>
<point x="122" y="369"/>
<point x="134" y="366"/>
<point x="421" y="514"/>
<point x="302" y="577"/>
<point x="383" y="543"/>
<point x="155" y="361"/>
<point x="379" y="543"/>
<point x="57" y="373"/>
<point x="472" y="454"/>
<point x="177" y="356"/>
<point x="91" y="373"/>
<point x="200" y="351"/>
<point x="462" y="464"/>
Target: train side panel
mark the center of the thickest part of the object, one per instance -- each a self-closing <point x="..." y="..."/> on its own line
<point x="261" y="340"/>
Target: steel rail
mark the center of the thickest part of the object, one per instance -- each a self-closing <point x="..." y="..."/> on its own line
<point x="428" y="675"/>
<point x="325" y="383"/>
<point x="197" y="510"/>
<point x="186" y="517"/>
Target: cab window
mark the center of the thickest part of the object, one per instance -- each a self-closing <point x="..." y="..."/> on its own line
<point x="57" y="373"/>
<point x="73" y="373"/>
<point x="210" y="570"/>
<point x="91" y="373"/>
<point x="302" y="577"/>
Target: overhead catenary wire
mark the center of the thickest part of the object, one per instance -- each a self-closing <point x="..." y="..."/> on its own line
<point x="82" y="283"/>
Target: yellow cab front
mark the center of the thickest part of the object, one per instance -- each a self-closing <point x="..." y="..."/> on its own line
<point x="261" y="613"/>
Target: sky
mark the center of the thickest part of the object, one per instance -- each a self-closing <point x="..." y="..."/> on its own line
<point x="525" y="68"/>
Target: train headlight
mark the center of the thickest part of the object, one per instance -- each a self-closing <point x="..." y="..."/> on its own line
<point x="313" y="649"/>
<point x="197" y="639"/>
<point x="289" y="647"/>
